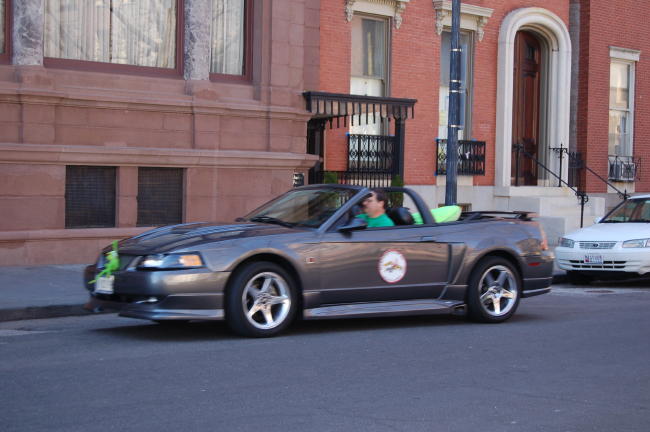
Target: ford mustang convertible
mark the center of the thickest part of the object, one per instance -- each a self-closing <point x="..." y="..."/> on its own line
<point x="306" y="254"/>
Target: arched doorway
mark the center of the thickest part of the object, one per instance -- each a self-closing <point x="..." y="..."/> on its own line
<point x="551" y="123"/>
<point x="526" y="108"/>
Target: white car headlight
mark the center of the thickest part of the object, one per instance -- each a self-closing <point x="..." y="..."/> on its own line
<point x="567" y="243"/>
<point x="171" y="261"/>
<point x="637" y="243"/>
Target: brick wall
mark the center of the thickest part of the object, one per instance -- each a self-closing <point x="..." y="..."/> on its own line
<point x="415" y="73"/>
<point x="624" y="24"/>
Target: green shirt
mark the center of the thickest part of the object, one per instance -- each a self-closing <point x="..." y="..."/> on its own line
<point x="379" y="221"/>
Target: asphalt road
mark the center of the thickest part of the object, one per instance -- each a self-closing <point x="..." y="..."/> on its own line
<point x="573" y="360"/>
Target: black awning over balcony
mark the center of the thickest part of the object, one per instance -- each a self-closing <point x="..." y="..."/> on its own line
<point x="360" y="109"/>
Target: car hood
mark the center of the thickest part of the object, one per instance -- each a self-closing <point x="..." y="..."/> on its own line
<point x="612" y="232"/>
<point x="173" y="237"/>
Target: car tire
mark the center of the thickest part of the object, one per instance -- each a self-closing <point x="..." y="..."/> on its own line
<point x="494" y="291"/>
<point x="578" y="278"/>
<point x="261" y="300"/>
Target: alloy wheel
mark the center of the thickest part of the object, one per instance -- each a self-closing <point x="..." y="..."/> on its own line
<point x="266" y="300"/>
<point x="498" y="290"/>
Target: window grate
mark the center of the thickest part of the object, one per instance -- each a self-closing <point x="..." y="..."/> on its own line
<point x="89" y="196"/>
<point x="160" y="196"/>
<point x="606" y="265"/>
<point x="596" y="245"/>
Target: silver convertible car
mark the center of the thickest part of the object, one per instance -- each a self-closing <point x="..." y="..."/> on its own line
<point x="306" y="254"/>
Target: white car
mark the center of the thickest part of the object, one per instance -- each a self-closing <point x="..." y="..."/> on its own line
<point x="618" y="245"/>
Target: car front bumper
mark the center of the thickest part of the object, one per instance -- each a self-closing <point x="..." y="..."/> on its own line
<point x="632" y="260"/>
<point x="193" y="294"/>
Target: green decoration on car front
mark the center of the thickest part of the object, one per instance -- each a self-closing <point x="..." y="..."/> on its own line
<point x="112" y="263"/>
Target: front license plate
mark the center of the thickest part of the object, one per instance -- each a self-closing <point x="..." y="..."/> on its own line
<point x="104" y="285"/>
<point x="593" y="259"/>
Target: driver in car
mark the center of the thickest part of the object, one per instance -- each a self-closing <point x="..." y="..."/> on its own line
<point x="374" y="208"/>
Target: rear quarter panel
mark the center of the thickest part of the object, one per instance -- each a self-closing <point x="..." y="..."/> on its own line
<point x="481" y="238"/>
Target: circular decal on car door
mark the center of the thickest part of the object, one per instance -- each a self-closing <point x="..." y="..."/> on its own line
<point x="392" y="266"/>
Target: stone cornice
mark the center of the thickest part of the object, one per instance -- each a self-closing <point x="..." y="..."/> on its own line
<point x="624" y="53"/>
<point x="162" y="157"/>
<point x="392" y="8"/>
<point x="101" y="100"/>
<point x="477" y="15"/>
<point x="70" y="234"/>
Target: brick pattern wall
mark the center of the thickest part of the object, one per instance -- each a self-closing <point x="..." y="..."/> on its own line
<point x="415" y="73"/>
<point x="623" y="24"/>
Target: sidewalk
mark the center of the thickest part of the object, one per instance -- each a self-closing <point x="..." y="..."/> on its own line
<point x="41" y="292"/>
<point x="56" y="291"/>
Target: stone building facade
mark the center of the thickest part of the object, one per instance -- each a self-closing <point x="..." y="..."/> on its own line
<point x="81" y="137"/>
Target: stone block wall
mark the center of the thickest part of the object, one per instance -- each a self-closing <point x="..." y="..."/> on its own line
<point x="239" y="142"/>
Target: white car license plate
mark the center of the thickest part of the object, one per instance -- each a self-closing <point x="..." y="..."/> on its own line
<point x="593" y="259"/>
<point x="104" y="285"/>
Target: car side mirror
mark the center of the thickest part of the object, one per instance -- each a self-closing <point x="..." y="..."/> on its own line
<point x="355" y="224"/>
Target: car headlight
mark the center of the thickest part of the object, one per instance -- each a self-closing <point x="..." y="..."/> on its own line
<point x="171" y="261"/>
<point x="567" y="243"/>
<point x="637" y="243"/>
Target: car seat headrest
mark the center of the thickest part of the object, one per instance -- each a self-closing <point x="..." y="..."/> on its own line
<point x="400" y="215"/>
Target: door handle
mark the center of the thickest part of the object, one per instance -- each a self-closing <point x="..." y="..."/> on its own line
<point x="427" y="239"/>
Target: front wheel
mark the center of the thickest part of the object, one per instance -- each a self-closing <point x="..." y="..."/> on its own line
<point x="261" y="300"/>
<point x="494" y="291"/>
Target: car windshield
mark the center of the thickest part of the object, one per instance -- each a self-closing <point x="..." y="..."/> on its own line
<point x="303" y="207"/>
<point x="632" y="210"/>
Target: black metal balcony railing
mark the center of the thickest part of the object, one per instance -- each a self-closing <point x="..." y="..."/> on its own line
<point x="622" y="168"/>
<point x="375" y="153"/>
<point x="369" y="179"/>
<point x="471" y="157"/>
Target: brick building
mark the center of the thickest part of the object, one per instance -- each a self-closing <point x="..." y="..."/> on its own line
<point x="106" y="130"/>
<point x="540" y="80"/>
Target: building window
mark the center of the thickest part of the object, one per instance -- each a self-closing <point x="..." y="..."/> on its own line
<point x="466" y="60"/>
<point x="90" y="196"/>
<point x="369" y="72"/>
<point x="160" y="196"/>
<point x="125" y="32"/>
<point x="231" y="35"/>
<point x="621" y="107"/>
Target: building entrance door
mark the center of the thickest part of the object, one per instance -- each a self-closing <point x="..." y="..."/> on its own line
<point x="526" y="108"/>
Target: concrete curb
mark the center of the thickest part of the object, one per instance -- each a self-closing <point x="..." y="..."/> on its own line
<point x="41" y="312"/>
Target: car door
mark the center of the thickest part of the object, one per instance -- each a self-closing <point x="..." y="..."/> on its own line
<point x="379" y="264"/>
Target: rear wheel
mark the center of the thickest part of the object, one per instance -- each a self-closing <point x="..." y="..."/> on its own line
<point x="494" y="291"/>
<point x="261" y="300"/>
<point x="578" y="278"/>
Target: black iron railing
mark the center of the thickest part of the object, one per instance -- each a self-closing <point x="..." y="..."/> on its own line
<point x="471" y="157"/>
<point x="576" y="163"/>
<point x="623" y="168"/>
<point x="376" y="153"/>
<point x="369" y="179"/>
<point x="576" y="167"/>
